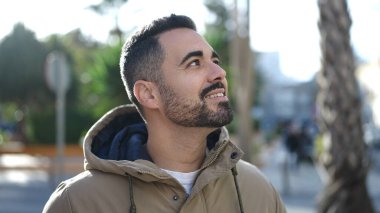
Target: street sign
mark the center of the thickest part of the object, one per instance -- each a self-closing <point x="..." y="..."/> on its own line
<point x="57" y="72"/>
<point x="58" y="79"/>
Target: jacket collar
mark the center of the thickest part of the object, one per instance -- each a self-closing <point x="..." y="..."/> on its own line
<point x="118" y="124"/>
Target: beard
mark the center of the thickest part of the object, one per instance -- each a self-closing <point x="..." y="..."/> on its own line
<point x="195" y="113"/>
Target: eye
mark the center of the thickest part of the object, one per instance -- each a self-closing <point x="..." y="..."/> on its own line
<point x="216" y="61"/>
<point x="194" y="62"/>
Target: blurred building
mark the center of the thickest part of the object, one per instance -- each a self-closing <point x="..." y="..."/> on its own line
<point x="282" y="98"/>
<point x="368" y="76"/>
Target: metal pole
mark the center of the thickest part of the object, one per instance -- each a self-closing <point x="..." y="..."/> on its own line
<point x="60" y="129"/>
<point x="58" y="79"/>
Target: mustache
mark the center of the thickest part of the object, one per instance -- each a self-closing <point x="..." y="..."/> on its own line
<point x="210" y="88"/>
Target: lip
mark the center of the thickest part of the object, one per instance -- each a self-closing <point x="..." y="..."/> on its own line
<point x="218" y="99"/>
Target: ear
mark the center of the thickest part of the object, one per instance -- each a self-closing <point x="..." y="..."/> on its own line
<point x="144" y="92"/>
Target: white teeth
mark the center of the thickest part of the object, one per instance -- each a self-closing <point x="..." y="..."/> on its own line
<point x="216" y="95"/>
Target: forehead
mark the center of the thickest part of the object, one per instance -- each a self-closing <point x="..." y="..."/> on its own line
<point x="179" y="42"/>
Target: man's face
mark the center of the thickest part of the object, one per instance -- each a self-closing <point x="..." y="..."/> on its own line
<point x="194" y="86"/>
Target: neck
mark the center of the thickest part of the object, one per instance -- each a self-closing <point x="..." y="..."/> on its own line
<point x="177" y="148"/>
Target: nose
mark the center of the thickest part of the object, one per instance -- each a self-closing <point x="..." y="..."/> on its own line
<point x="216" y="73"/>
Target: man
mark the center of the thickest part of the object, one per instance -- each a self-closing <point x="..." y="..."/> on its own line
<point x="174" y="155"/>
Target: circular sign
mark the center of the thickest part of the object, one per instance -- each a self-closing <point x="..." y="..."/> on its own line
<point x="57" y="72"/>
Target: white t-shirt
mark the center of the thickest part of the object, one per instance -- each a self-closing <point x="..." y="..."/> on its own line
<point x="186" y="179"/>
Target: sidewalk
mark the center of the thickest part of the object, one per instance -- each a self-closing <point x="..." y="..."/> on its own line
<point x="304" y="183"/>
<point x="25" y="183"/>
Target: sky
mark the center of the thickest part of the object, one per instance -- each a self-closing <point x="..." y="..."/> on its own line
<point x="291" y="29"/>
<point x="288" y="27"/>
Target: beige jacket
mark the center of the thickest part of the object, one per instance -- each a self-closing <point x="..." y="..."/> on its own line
<point x="130" y="185"/>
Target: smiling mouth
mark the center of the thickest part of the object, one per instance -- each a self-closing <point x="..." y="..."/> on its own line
<point x="220" y="94"/>
<point x="217" y="93"/>
<point x="214" y="91"/>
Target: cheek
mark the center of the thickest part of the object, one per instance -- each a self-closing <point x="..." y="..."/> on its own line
<point x="188" y="85"/>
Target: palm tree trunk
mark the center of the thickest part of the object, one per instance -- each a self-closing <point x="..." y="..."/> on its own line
<point x="345" y="158"/>
<point x="241" y="61"/>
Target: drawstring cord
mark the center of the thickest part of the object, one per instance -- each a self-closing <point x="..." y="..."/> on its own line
<point x="132" y="209"/>
<point x="234" y="174"/>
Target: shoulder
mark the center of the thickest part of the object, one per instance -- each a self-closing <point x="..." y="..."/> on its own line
<point x="59" y="200"/>
<point x="250" y="176"/>
<point x="92" y="178"/>
<point x="255" y="185"/>
<point x="250" y="171"/>
<point x="85" y="187"/>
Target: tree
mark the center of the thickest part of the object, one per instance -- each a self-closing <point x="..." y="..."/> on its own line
<point x="105" y="89"/>
<point x="22" y="59"/>
<point x="241" y="61"/>
<point x="112" y="7"/>
<point x="345" y="157"/>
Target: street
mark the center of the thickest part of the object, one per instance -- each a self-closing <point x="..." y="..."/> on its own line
<point x="300" y="188"/>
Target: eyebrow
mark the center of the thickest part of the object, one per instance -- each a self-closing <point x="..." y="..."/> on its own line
<point x="197" y="53"/>
<point x="191" y="54"/>
<point x="215" y="55"/>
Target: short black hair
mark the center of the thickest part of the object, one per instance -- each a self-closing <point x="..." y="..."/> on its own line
<point x="142" y="55"/>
